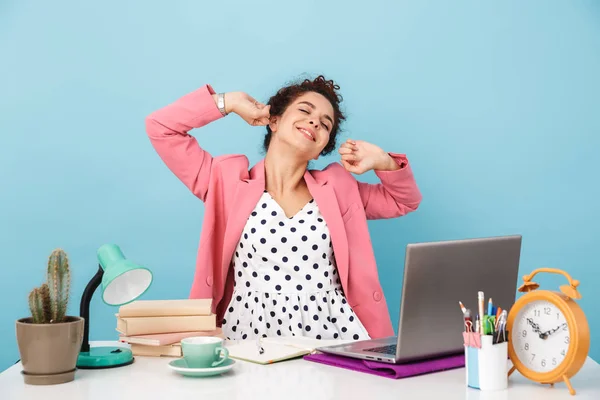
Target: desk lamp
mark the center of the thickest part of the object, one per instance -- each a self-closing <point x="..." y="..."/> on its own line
<point x="122" y="282"/>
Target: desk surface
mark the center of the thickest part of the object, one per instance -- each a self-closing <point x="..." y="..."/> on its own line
<point x="150" y="378"/>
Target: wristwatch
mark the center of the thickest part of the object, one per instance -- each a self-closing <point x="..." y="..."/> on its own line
<point x="221" y="103"/>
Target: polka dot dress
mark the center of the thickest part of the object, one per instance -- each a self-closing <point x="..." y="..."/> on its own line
<point x="286" y="282"/>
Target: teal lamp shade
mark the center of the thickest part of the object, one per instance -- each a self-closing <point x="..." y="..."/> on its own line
<point x="121" y="281"/>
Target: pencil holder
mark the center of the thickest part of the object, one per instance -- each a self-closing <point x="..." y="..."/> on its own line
<point x="486" y="361"/>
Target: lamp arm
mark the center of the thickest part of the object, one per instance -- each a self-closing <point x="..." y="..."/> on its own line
<point x="84" y="307"/>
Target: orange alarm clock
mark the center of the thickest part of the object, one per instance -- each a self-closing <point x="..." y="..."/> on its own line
<point x="549" y="333"/>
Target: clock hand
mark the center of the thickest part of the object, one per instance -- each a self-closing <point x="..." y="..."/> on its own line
<point x="536" y="327"/>
<point x="551" y="331"/>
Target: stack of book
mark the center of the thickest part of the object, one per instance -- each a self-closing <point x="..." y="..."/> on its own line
<point x="156" y="327"/>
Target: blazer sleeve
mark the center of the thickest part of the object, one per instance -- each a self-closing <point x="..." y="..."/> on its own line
<point x="168" y="130"/>
<point x="396" y="195"/>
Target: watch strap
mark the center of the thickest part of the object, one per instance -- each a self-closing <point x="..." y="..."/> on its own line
<point x="221" y="103"/>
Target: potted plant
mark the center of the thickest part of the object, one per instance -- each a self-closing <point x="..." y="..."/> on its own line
<point x="49" y="340"/>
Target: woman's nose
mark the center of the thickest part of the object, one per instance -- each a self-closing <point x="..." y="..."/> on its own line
<point x="313" y="123"/>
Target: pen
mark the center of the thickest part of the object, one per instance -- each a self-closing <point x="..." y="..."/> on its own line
<point x="490" y="307"/>
<point x="480" y="300"/>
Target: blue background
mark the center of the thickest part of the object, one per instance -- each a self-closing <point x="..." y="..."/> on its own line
<point x="495" y="103"/>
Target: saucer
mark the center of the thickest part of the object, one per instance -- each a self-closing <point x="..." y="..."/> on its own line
<point x="180" y="366"/>
<point x="52" y="379"/>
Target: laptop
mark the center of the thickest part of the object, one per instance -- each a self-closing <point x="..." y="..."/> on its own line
<point x="437" y="275"/>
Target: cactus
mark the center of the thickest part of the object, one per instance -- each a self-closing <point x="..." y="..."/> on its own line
<point x="59" y="280"/>
<point x="45" y="293"/>
<point x="36" y="305"/>
<point x="48" y="303"/>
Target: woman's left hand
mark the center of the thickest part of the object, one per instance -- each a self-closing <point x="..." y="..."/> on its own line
<point x="359" y="157"/>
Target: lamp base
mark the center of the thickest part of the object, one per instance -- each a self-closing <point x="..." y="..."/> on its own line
<point x="104" y="357"/>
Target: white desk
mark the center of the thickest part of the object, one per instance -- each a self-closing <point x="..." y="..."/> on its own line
<point x="150" y="378"/>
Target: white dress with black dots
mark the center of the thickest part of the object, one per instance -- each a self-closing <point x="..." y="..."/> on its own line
<point x="286" y="282"/>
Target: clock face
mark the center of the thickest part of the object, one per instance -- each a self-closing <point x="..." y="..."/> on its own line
<point x="540" y="336"/>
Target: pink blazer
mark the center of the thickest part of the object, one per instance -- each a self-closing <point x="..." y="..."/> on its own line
<point x="230" y="190"/>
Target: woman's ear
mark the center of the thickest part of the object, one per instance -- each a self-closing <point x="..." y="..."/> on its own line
<point x="273" y="121"/>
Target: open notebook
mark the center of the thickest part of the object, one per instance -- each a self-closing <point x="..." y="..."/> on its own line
<point x="277" y="348"/>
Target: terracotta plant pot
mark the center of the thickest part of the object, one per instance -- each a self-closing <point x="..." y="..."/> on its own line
<point x="49" y="351"/>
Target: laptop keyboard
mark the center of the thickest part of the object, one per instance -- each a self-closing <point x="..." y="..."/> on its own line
<point x="389" y="349"/>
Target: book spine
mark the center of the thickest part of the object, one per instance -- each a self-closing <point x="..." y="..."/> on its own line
<point x="153" y="325"/>
<point x="156" y="351"/>
<point x="132" y="313"/>
<point x="163" y="312"/>
<point x="152" y="308"/>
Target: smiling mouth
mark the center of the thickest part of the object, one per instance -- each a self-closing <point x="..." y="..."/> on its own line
<point x="307" y="134"/>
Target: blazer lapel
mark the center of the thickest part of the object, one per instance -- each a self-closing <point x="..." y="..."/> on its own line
<point x="326" y="200"/>
<point x="247" y="193"/>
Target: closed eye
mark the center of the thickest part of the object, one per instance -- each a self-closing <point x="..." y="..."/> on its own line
<point x="308" y="112"/>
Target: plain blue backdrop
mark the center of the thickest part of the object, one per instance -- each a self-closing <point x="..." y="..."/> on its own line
<point x="495" y="103"/>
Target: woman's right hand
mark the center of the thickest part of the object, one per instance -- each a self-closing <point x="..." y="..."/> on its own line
<point x="252" y="111"/>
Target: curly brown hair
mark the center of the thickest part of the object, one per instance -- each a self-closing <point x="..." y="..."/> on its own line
<point x="286" y="95"/>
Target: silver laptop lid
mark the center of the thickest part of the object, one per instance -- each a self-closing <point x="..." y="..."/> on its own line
<point x="437" y="276"/>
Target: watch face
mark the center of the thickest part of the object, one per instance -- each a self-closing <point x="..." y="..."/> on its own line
<point x="540" y="336"/>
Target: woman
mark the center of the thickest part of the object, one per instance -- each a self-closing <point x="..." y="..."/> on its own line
<point x="285" y="250"/>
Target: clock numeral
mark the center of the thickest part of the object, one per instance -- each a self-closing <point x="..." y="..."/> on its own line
<point x="536" y="313"/>
<point x="565" y="327"/>
<point x="562" y="353"/>
<point x="567" y="339"/>
<point x="547" y="310"/>
<point x="526" y="346"/>
<point x="532" y="357"/>
<point x="557" y="315"/>
<point x="543" y="363"/>
<point x="554" y="361"/>
<point x="524" y="333"/>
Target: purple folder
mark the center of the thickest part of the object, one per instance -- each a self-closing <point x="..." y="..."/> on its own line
<point x="390" y="370"/>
